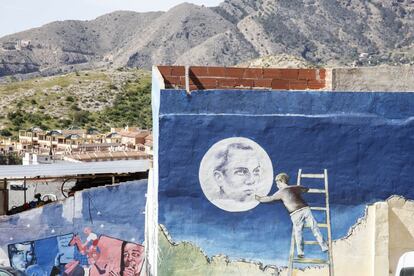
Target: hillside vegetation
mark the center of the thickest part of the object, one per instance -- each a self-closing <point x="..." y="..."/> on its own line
<point x="88" y="99"/>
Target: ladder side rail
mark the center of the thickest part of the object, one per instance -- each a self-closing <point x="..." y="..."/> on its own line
<point x="292" y="240"/>
<point x="299" y="177"/>
<point x="328" y="222"/>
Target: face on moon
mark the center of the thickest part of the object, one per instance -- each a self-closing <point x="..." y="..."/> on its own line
<point x="233" y="171"/>
<point x="240" y="176"/>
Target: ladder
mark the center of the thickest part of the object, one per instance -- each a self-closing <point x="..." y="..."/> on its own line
<point x="292" y="260"/>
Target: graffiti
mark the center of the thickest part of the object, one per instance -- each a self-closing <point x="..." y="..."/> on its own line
<point x="299" y="211"/>
<point x="207" y="181"/>
<point x="22" y="255"/>
<point x="132" y="259"/>
<point x="232" y="171"/>
<point x="67" y="255"/>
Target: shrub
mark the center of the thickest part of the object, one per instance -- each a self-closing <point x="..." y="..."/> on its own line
<point x="70" y="99"/>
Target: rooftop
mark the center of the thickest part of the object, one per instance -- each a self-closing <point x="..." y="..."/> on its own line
<point x="73" y="169"/>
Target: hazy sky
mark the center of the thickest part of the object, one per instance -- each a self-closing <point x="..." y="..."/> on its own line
<point x="19" y="15"/>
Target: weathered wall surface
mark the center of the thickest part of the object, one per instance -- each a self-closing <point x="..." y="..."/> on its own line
<point x="362" y="139"/>
<point x="387" y="79"/>
<point x="401" y="229"/>
<point x="97" y="231"/>
<point x="360" y="247"/>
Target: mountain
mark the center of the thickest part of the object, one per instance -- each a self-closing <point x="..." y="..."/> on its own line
<point x="321" y="32"/>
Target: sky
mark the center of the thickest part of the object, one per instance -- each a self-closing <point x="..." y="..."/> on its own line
<point x="20" y="15"/>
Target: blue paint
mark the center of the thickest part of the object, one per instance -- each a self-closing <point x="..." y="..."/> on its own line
<point x="365" y="140"/>
<point x="120" y="216"/>
<point x="46" y="251"/>
<point x="381" y="104"/>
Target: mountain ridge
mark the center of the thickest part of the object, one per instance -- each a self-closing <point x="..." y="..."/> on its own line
<point x="322" y="32"/>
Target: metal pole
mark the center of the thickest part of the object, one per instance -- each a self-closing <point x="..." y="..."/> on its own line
<point x="5" y="197"/>
<point x="187" y="79"/>
<point x="24" y="189"/>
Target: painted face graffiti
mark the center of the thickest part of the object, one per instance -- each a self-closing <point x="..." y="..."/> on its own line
<point x="232" y="171"/>
<point x="132" y="257"/>
<point x="240" y="174"/>
<point x="21" y="255"/>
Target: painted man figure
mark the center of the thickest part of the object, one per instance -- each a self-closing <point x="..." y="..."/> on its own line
<point x="300" y="212"/>
<point x="237" y="173"/>
<point x="132" y="259"/>
<point x="22" y="255"/>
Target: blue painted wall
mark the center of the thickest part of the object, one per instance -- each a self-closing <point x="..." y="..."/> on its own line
<point x="365" y="140"/>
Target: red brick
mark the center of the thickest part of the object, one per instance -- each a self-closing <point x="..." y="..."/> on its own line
<point x="245" y="83"/>
<point x="165" y="70"/>
<point x="271" y="73"/>
<point x="298" y="85"/>
<point x="177" y="71"/>
<point x="172" y="81"/>
<point x="307" y="74"/>
<point x="223" y="83"/>
<point x="182" y="81"/>
<point x="203" y="82"/>
<point x="193" y="87"/>
<point x="198" y="71"/>
<point x="202" y="87"/>
<point x="280" y="84"/>
<point x="219" y="72"/>
<point x="316" y="84"/>
<point x="289" y="74"/>
<point x="265" y="83"/>
<point x="234" y="72"/>
<point x="253" y="73"/>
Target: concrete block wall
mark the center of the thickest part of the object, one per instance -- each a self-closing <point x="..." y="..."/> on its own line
<point x="368" y="79"/>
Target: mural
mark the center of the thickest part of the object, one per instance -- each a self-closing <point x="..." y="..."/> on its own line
<point x="67" y="255"/>
<point x="233" y="171"/>
<point x="228" y="162"/>
<point x="99" y="231"/>
<point x="299" y="211"/>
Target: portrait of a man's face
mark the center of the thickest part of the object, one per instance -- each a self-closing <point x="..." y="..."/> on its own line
<point x="238" y="173"/>
<point x="21" y="255"/>
<point x="132" y="259"/>
<point x="232" y="171"/>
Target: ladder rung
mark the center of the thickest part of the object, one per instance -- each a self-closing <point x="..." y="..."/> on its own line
<point x="316" y="191"/>
<point x="310" y="261"/>
<point x="318" y="208"/>
<point x="324" y="225"/>
<point x="312" y="175"/>
<point x="310" y="242"/>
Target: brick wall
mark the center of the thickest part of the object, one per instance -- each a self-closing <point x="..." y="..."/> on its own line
<point x="247" y="78"/>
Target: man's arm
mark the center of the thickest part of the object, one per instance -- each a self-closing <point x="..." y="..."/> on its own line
<point x="265" y="199"/>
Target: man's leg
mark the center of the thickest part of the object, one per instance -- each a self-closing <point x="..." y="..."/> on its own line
<point x="310" y="220"/>
<point x="298" y="222"/>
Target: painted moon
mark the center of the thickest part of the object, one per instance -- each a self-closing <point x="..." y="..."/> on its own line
<point x="233" y="171"/>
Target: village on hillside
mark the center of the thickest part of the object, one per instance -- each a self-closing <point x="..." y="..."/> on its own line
<point x="37" y="146"/>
